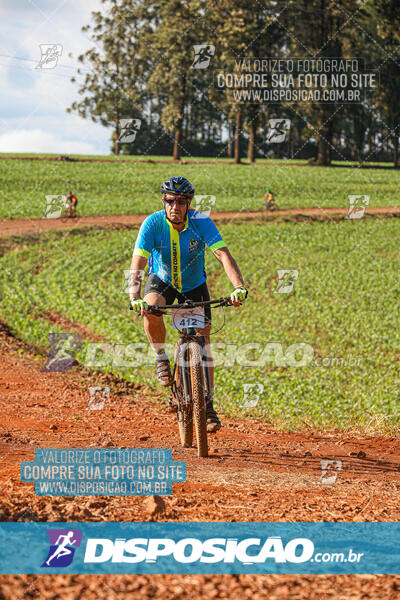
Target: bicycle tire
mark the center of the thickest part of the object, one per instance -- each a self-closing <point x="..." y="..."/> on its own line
<point x="185" y="406"/>
<point x="198" y="398"/>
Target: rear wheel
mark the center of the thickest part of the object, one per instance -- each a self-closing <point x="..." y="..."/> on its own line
<point x="198" y="397"/>
<point x="185" y="406"/>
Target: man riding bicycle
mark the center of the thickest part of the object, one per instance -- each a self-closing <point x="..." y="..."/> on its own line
<point x="173" y="241"/>
<point x="72" y="202"/>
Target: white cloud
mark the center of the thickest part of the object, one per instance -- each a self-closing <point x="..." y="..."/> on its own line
<point x="33" y="102"/>
<point x="37" y="140"/>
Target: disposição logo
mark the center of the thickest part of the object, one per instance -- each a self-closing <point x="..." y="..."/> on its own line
<point x="191" y="550"/>
<point x="62" y="550"/>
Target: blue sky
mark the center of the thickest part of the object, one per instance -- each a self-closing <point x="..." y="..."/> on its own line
<point x="33" y="101"/>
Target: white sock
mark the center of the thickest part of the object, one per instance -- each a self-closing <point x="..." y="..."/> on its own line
<point x="161" y="356"/>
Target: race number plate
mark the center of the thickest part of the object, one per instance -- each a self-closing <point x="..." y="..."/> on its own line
<point x="188" y="317"/>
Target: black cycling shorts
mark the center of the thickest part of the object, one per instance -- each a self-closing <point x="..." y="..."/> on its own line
<point x="199" y="294"/>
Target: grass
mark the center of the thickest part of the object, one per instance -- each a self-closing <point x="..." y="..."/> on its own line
<point x="344" y="307"/>
<point x="133" y="188"/>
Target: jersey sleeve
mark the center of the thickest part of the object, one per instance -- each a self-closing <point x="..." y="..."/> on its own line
<point x="145" y="239"/>
<point x="210" y="234"/>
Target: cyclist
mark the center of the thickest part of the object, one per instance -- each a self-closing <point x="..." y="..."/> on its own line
<point x="72" y="202"/>
<point x="173" y="241"/>
<point x="269" y="199"/>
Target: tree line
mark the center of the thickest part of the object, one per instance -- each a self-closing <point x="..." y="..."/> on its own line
<point x="141" y="67"/>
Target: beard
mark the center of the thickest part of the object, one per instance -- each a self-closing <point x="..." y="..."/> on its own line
<point x="174" y="219"/>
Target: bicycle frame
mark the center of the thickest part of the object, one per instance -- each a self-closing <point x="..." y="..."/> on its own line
<point x="191" y="377"/>
<point x="190" y="333"/>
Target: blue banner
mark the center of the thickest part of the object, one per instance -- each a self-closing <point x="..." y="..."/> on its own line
<point x="200" y="548"/>
<point x="100" y="472"/>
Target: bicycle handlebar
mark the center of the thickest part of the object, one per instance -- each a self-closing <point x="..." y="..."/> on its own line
<point x="226" y="301"/>
<point x="223" y="301"/>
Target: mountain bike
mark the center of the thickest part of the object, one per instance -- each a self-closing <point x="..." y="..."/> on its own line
<point x="190" y="388"/>
<point x="66" y="215"/>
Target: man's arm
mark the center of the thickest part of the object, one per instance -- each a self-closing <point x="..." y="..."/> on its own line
<point x="214" y="241"/>
<point x="230" y="265"/>
<point x="137" y="271"/>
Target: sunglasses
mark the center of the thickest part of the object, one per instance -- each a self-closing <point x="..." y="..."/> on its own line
<point x="171" y="201"/>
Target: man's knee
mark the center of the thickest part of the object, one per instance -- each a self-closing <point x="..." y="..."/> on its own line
<point x="154" y="299"/>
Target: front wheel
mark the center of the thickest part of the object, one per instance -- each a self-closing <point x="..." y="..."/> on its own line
<point x="185" y="406"/>
<point x="198" y="398"/>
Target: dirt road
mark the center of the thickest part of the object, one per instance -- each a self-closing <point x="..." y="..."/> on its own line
<point x="254" y="473"/>
<point x="21" y="226"/>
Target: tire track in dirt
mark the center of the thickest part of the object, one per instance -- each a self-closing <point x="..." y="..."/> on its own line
<point x="24" y="226"/>
<point x="248" y="457"/>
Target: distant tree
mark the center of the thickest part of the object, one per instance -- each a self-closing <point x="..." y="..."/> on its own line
<point x="110" y="87"/>
<point x="171" y="31"/>
<point x="383" y="17"/>
<point x="141" y="67"/>
<point x="321" y="28"/>
<point x="244" y="29"/>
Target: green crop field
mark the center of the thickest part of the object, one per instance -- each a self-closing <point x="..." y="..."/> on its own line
<point x="342" y="315"/>
<point x="133" y="187"/>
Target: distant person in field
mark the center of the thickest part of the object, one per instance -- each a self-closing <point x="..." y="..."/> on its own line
<point x="269" y="199"/>
<point x="72" y="202"/>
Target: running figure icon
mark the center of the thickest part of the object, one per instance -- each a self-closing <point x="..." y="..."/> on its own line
<point x="203" y="55"/>
<point x="63" y="543"/>
<point x="62" y="549"/>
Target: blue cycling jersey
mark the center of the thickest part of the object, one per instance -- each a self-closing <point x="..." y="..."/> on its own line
<point x="178" y="257"/>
